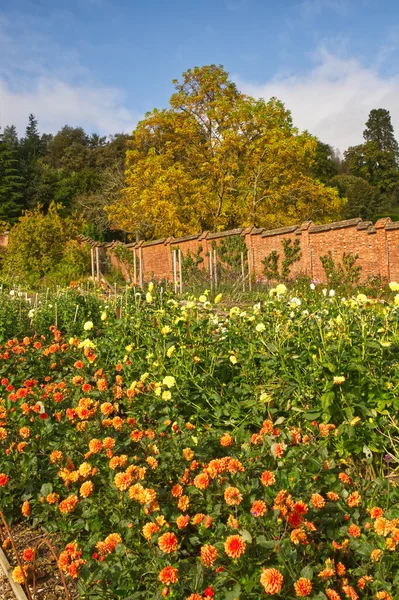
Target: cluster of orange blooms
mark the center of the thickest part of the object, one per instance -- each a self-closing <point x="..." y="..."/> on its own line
<point x="70" y="559"/>
<point x="199" y="479"/>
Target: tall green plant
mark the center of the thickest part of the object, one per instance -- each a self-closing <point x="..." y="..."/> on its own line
<point x="291" y="254"/>
<point x="347" y="272"/>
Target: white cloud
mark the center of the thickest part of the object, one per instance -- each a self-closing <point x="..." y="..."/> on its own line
<point x="39" y="76"/>
<point x="56" y="103"/>
<point x="334" y="98"/>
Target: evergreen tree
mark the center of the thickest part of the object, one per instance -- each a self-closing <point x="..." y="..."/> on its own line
<point x="379" y="130"/>
<point x="32" y="144"/>
<point x="377" y="159"/>
<point x="33" y="147"/>
<point x="11" y="178"/>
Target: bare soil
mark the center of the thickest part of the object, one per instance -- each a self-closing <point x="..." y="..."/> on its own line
<point x="48" y="580"/>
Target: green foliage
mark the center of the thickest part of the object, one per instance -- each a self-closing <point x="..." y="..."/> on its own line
<point x="191" y="262"/>
<point x="74" y="265"/>
<point x="363" y="199"/>
<point x="126" y="257"/>
<point x="376" y="160"/>
<point x="326" y="163"/>
<point x="278" y="402"/>
<point x="39" y="169"/>
<point x="11" y="180"/>
<point x="230" y="250"/>
<point x="347" y="273"/>
<point x="38" y="242"/>
<point x="292" y="254"/>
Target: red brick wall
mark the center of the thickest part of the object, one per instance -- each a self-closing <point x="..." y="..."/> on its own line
<point x="377" y="246"/>
<point x="4" y="239"/>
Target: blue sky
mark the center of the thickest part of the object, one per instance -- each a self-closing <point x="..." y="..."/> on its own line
<point x="103" y="63"/>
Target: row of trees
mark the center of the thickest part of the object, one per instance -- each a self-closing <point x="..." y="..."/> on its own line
<point x="214" y="159"/>
<point x="71" y="168"/>
<point x="368" y="174"/>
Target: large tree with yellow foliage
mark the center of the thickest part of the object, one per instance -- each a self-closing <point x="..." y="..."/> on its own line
<point x="218" y="159"/>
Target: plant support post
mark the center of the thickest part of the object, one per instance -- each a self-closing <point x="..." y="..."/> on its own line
<point x="141" y="266"/>
<point x="174" y="271"/>
<point x="180" y="273"/>
<point x="92" y="263"/>
<point x="98" y="263"/>
<point x="243" y="271"/>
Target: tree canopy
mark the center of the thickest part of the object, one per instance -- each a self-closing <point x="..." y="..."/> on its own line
<point x="214" y="159"/>
<point x="217" y="158"/>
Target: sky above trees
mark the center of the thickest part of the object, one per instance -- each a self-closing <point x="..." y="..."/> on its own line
<point x="102" y="64"/>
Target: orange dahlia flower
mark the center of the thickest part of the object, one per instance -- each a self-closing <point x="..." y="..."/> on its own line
<point x="354" y="499"/>
<point x="168" y="542"/>
<point x="234" y="546"/>
<point x="208" y="555"/>
<point x="68" y="505"/>
<point x="258" y="508"/>
<point x="272" y="580"/>
<point x="317" y="501"/>
<point x="201" y="481"/>
<point x="19" y="575"/>
<point x="86" y="489"/>
<point x="332" y="594"/>
<point x="169" y="575"/>
<point x="232" y="496"/>
<point x="354" y="531"/>
<point x="303" y="587"/>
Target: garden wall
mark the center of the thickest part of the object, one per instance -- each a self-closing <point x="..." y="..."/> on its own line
<point x="377" y="246"/>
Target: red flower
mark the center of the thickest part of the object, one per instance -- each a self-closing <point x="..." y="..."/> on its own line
<point x="209" y="593"/>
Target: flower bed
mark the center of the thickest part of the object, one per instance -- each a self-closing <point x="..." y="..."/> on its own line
<point x="180" y="453"/>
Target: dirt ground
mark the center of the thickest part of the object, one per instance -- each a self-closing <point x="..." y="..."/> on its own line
<point x="49" y="585"/>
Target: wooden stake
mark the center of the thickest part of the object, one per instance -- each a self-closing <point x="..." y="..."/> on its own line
<point x="76" y="313"/>
<point x="92" y="263"/>
<point x="174" y="271"/>
<point x="215" y="272"/>
<point x="180" y="273"/>
<point x="56" y="315"/>
<point x="211" y="268"/>
<point x="98" y="263"/>
<point x="141" y="266"/>
<point x="134" y="269"/>
<point x="253" y="265"/>
<point x="243" y="271"/>
<point x="249" y="271"/>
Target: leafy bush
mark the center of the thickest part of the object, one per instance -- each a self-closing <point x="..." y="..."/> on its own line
<point x="37" y="243"/>
<point x="180" y="449"/>
<point x="347" y="273"/>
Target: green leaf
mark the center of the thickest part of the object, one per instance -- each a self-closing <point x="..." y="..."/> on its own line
<point x="264" y="543"/>
<point x="307" y="572"/>
<point x="234" y="593"/>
